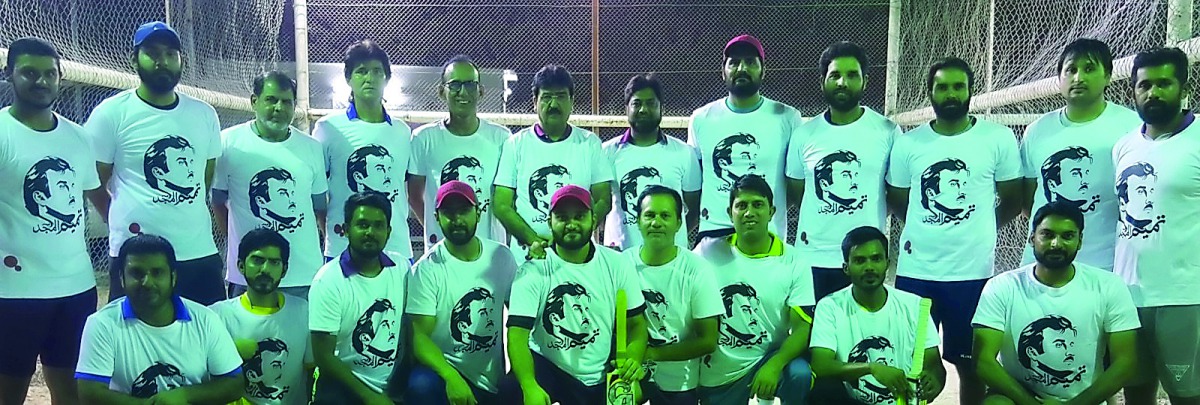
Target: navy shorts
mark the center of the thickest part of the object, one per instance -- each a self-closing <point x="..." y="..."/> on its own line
<point x="954" y="304"/>
<point x="49" y="328"/>
<point x="828" y="280"/>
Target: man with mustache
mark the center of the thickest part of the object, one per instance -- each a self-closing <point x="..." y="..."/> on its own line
<point x="1158" y="175"/>
<point x="159" y="148"/>
<point x="1050" y="322"/>
<point x="958" y="163"/>
<point x="455" y="299"/>
<point x="270" y="174"/>
<point x="1066" y="153"/>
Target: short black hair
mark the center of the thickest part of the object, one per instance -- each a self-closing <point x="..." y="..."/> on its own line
<point x="1058" y="208"/>
<point x="373" y="199"/>
<point x="553" y="76"/>
<point x="1089" y="48"/>
<point x="1158" y="57"/>
<point x="642" y="82"/>
<point x="145" y="244"/>
<point x="260" y="238"/>
<point x="660" y="190"/>
<point x="363" y="51"/>
<point x="860" y="236"/>
<point x="752" y="183"/>
<point x="460" y="58"/>
<point x="30" y="46"/>
<point x="842" y="49"/>
<point x="281" y="79"/>
<point x="950" y="63"/>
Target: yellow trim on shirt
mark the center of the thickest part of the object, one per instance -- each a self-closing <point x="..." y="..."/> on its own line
<point x="803" y="315"/>
<point x="261" y="310"/>
<point x="775" y="250"/>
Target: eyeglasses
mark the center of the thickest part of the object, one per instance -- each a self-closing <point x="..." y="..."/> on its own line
<point x="457" y="86"/>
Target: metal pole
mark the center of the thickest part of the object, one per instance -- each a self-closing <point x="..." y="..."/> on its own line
<point x="991" y="50"/>
<point x="1179" y="21"/>
<point x="595" y="58"/>
<point x="892" y="76"/>
<point x="300" y="12"/>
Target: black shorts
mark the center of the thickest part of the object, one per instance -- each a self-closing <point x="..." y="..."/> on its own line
<point x="50" y="328"/>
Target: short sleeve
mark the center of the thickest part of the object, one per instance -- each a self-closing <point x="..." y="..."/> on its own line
<point x="96" y="351"/>
<point x="899" y="175"/>
<point x="692" y="177"/>
<point x="321" y="134"/>
<point x="794" y="164"/>
<point x="510" y="270"/>
<point x="506" y="170"/>
<point x="1120" y="314"/>
<point x="418" y="159"/>
<point x="324" y="311"/>
<point x="706" y="298"/>
<point x="1008" y="160"/>
<point x="1028" y="169"/>
<point x="602" y="168"/>
<point x="222" y="355"/>
<point x="527" y="290"/>
<point x="991" y="310"/>
<point x="221" y="174"/>
<point x="414" y="167"/>
<point x="88" y="178"/>
<point x="423" y="289"/>
<point x="691" y="132"/>
<point x="213" y="133"/>
<point x="101" y="129"/>
<point x="824" y="328"/>
<point x="320" y="183"/>
<point x="801" y="294"/>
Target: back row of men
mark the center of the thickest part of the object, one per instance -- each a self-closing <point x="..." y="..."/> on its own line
<point x="146" y="142"/>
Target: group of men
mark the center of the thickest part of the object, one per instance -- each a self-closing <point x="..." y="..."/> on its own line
<point x="512" y="223"/>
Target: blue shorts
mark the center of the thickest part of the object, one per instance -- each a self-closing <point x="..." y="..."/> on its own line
<point x="954" y="304"/>
<point x="48" y="328"/>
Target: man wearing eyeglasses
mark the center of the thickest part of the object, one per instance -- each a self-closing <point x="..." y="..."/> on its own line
<point x="462" y="147"/>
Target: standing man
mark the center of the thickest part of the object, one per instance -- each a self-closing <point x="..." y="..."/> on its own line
<point x="643" y="157"/>
<point x="47" y="289"/>
<point x="159" y="148"/>
<point x="958" y="163"/>
<point x="365" y="150"/>
<point x="741" y="134"/>
<point x="1066" y="153"/>
<point x="462" y="147"/>
<point x="270" y="175"/>
<point x="456" y="301"/>
<point x="1158" y="192"/>
<point x="844" y="152"/>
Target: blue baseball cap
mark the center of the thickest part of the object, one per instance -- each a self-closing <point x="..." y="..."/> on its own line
<point x="145" y="31"/>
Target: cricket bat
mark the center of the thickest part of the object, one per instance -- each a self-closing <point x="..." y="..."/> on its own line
<point x="619" y="391"/>
<point x="918" y="359"/>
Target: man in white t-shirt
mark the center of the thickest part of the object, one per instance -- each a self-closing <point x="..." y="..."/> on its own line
<point x="539" y="160"/>
<point x="1052" y="322"/>
<point x="682" y="301"/>
<point x="740" y="134"/>
<point x="562" y="315"/>
<point x="158" y="149"/>
<point x="270" y="175"/>
<point x="844" y="152"/>
<point x="456" y="301"/>
<point x="153" y="346"/>
<point x="462" y="147"/>
<point x="355" y="308"/>
<point x="960" y="165"/>
<point x="644" y="156"/>
<point x="766" y="290"/>
<point x="1158" y="192"/>
<point x="268" y="326"/>
<point x="864" y="336"/>
<point x="365" y="150"/>
<point x="1066" y="152"/>
<point x="47" y="289"/>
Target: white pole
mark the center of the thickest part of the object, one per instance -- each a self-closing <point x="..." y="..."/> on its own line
<point x="891" y="90"/>
<point x="167" y="10"/>
<point x="1179" y="21"/>
<point x="991" y="51"/>
<point x="300" y="12"/>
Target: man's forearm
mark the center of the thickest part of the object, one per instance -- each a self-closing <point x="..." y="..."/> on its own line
<point x="96" y="393"/>
<point x="995" y="377"/>
<point x="638" y="337"/>
<point x="333" y="367"/>
<point x="101" y="200"/>
<point x="416" y="198"/>
<point x="841" y="370"/>
<point x="221" y="390"/>
<point x="795" y="344"/>
<point x="521" y="358"/>
<point x="431" y="356"/>
<point x="515" y="225"/>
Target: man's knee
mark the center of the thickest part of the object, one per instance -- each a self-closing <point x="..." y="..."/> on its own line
<point x="997" y="399"/>
<point x="796" y="383"/>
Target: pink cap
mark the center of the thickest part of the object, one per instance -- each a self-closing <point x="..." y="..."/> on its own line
<point x="748" y="40"/>
<point x="455" y="188"/>
<point x="571" y="192"/>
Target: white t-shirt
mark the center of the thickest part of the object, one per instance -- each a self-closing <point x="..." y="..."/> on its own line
<point x="363" y="156"/>
<point x="886" y="336"/>
<point x="467" y="300"/>
<point x="134" y="358"/>
<point x="441" y="156"/>
<point x="363" y="314"/>
<point x="573" y="308"/>
<point x="732" y="145"/>
<point x="950" y="231"/>
<point x="676" y="293"/>
<point x="1054" y="338"/>
<point x="1158" y="192"/>
<point x="271" y="185"/>
<point x="275" y="374"/>
<point x="1071" y="162"/>
<point x="159" y="159"/>
<point x="757" y="295"/>
<point x="842" y="167"/>
<point x="43" y="225"/>
<point x="669" y="163"/>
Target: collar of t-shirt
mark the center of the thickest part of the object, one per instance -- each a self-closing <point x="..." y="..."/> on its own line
<point x="348" y="268"/>
<point x="752" y="108"/>
<point x="181" y="312"/>
<point x="1188" y="119"/>
<point x="262" y="310"/>
<point x="537" y="130"/>
<point x="590" y="255"/>
<point x="627" y="137"/>
<point x="164" y="108"/>
<point x="352" y="113"/>
<point x="775" y="250"/>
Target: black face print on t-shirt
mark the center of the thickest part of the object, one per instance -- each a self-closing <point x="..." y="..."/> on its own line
<point x="657" y="311"/>
<point x="468" y="169"/>
<point x="568" y="318"/>
<point x="542" y="185"/>
<point x="1137" y="197"/>
<point x="159" y="377"/>
<point x="52" y="194"/>
<point x="1046" y="350"/>
<point x="376" y="336"/>
<point x="372" y="168"/>
<point x="734" y="157"/>
<point x="272" y="198"/>
<point x="631" y="186"/>
<point x="741" y="323"/>
<point x="873" y="349"/>
<point x="471" y="322"/>
<point x="171" y="168"/>
<point x="264" y="371"/>
<point x="943" y="192"/>
<point x="1067" y="177"/>
<point x="836" y="176"/>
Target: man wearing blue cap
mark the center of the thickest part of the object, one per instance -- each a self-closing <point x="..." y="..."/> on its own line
<point x="159" y="148"/>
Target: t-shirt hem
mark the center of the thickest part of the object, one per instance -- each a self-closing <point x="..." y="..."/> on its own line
<point x="23" y="293"/>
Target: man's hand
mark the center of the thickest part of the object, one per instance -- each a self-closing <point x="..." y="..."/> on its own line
<point x="459" y="392"/>
<point x="537" y="249"/>
<point x="892" y="378"/>
<point x="929" y="387"/>
<point x="169" y="397"/>
<point x="535" y="395"/>
<point x="629" y="370"/>
<point x="766" y="381"/>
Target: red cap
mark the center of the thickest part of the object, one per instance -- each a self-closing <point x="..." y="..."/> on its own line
<point x="748" y="40"/>
<point x="571" y="192"/>
<point x="455" y="188"/>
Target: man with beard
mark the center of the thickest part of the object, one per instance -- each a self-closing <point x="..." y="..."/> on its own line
<point x="844" y="152"/>
<point x="463" y="147"/>
<point x="47" y="289"/>
<point x="153" y="346"/>
<point x="1051" y="322"/>
<point x="767" y="293"/>
<point x="568" y="301"/>
<point x="455" y="301"/>
<point x="1066" y="153"/>
<point x="355" y="306"/>
<point x="159" y="148"/>
<point x="644" y="156"/>
<point x="864" y="336"/>
<point x="1158" y="169"/>
<point x="270" y="175"/>
<point x="741" y="134"/>
<point x="959" y="163"/>
<point x="269" y="325"/>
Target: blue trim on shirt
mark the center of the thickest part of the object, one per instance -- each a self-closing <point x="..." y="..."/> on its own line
<point x="235" y="372"/>
<point x="352" y="114"/>
<point x="181" y="312"/>
<point x="537" y="130"/>
<point x="348" y="268"/>
<point x="93" y="377"/>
